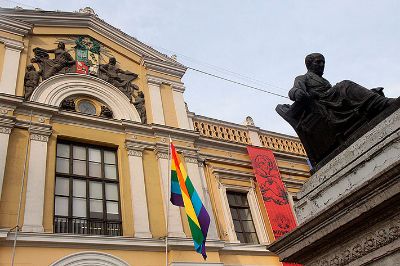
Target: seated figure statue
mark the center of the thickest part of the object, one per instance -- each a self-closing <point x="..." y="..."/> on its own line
<point x="324" y="116"/>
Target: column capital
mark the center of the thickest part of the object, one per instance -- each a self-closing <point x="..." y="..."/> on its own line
<point x="191" y="160"/>
<point x="39" y="137"/>
<point x="136" y="153"/>
<point x="5" y="130"/>
<point x="13" y="45"/>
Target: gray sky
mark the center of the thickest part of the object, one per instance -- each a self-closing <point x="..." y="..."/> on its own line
<point x="263" y="40"/>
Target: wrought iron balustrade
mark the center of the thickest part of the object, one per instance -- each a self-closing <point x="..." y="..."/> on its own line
<point x="86" y="226"/>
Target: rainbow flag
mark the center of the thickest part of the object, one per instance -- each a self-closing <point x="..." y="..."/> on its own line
<point x="183" y="194"/>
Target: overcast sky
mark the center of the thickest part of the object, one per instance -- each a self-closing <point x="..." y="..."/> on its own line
<point x="258" y="42"/>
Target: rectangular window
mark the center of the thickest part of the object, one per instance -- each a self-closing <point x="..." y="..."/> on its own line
<point x="86" y="199"/>
<point x="241" y="217"/>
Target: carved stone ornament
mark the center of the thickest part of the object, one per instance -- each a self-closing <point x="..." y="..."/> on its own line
<point x="191" y="160"/>
<point x="3" y="111"/>
<point x="249" y="121"/>
<point x="5" y="130"/>
<point x="39" y="137"/>
<point x="383" y="236"/>
<point x="135" y="153"/>
<point x="162" y="155"/>
<point x="325" y="116"/>
<point x="88" y="10"/>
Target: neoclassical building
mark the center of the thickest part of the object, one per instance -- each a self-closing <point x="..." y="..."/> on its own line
<point x="86" y="112"/>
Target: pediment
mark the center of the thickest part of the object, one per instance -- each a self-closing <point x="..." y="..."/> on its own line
<point x="86" y="18"/>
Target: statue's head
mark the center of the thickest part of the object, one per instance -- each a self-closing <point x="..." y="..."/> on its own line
<point x="61" y="45"/>
<point x="140" y="94"/>
<point x="112" y="61"/>
<point x="315" y="63"/>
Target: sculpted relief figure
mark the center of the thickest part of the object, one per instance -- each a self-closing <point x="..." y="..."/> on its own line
<point x="61" y="64"/>
<point x="31" y="81"/>
<point x="140" y="107"/>
<point x="118" y="77"/>
<point x="324" y="116"/>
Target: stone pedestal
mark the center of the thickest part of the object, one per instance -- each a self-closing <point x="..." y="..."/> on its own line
<point x="349" y="211"/>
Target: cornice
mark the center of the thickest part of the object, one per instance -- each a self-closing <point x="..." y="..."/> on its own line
<point x="103" y="242"/>
<point x="138" y="145"/>
<point x="177" y="86"/>
<point x="87" y="20"/>
<point x="177" y="133"/>
<point x="14" y="26"/>
<point x="173" y="69"/>
<point x="223" y="159"/>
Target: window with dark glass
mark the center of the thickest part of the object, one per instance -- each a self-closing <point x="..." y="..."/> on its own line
<point x="241" y="216"/>
<point x="86" y="197"/>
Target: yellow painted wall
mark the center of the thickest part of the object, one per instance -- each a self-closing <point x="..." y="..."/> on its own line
<point x="35" y="256"/>
<point x="168" y="106"/>
<point x="12" y="179"/>
<point x="231" y="259"/>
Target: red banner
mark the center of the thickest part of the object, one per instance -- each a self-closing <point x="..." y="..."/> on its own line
<point x="273" y="191"/>
<point x="82" y="68"/>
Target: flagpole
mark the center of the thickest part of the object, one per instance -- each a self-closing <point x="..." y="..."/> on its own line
<point x="167" y="200"/>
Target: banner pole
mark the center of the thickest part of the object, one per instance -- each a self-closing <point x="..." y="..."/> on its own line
<point x="167" y="200"/>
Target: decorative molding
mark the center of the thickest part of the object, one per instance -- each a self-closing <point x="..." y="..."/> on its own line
<point x="5" y="130"/>
<point x="41" y="119"/>
<point x="3" y="111"/>
<point x="39" y="137"/>
<point x="370" y="242"/>
<point x="162" y="155"/>
<point x="135" y="153"/>
<point x="170" y="68"/>
<point x="90" y="258"/>
<point x="158" y="81"/>
<point x="191" y="160"/>
<point x="54" y="90"/>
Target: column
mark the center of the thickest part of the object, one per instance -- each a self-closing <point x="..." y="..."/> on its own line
<point x="197" y="176"/>
<point x="156" y="102"/>
<point x="34" y="200"/>
<point x="5" y="131"/>
<point x="180" y="107"/>
<point x="175" y="228"/>
<point x="138" y="191"/>
<point x="10" y="66"/>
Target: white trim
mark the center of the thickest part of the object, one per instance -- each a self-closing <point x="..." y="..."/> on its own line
<point x="180" y="109"/>
<point x="10" y="65"/>
<point x="4" y="138"/>
<point x="156" y="104"/>
<point x="92" y="258"/>
<point x="254" y="209"/>
<point x="55" y="89"/>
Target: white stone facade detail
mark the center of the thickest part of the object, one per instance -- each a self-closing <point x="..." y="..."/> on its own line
<point x="34" y="201"/>
<point x="4" y="138"/>
<point x="9" y="75"/>
<point x="139" y="197"/>
<point x="180" y="109"/>
<point x="156" y="104"/>
<point x="54" y="90"/>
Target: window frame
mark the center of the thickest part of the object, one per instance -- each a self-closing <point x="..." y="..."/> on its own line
<point x="255" y="211"/>
<point x="71" y="177"/>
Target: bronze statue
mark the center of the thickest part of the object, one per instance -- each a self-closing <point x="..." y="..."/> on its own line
<point x="324" y="116"/>
<point x="68" y="105"/>
<point x="31" y="81"/>
<point x="118" y="77"/>
<point x="61" y="64"/>
<point x="140" y="106"/>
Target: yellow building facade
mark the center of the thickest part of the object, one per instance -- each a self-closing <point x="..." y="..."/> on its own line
<point x="84" y="164"/>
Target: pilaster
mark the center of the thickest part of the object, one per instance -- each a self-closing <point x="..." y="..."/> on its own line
<point x="10" y="65"/>
<point x="173" y="214"/>
<point x="34" y="201"/>
<point x="156" y="101"/>
<point x="138" y="190"/>
<point x="180" y="108"/>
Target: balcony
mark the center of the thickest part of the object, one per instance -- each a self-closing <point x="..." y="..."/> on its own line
<point x="86" y="226"/>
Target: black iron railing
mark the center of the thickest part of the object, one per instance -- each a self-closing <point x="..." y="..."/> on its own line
<point x="86" y="226"/>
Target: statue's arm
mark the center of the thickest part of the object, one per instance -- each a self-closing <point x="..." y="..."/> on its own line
<point x="299" y="90"/>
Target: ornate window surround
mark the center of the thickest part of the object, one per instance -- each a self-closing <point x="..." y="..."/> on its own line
<point x="251" y="198"/>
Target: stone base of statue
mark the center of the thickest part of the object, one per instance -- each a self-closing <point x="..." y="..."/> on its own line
<point x="349" y="212"/>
